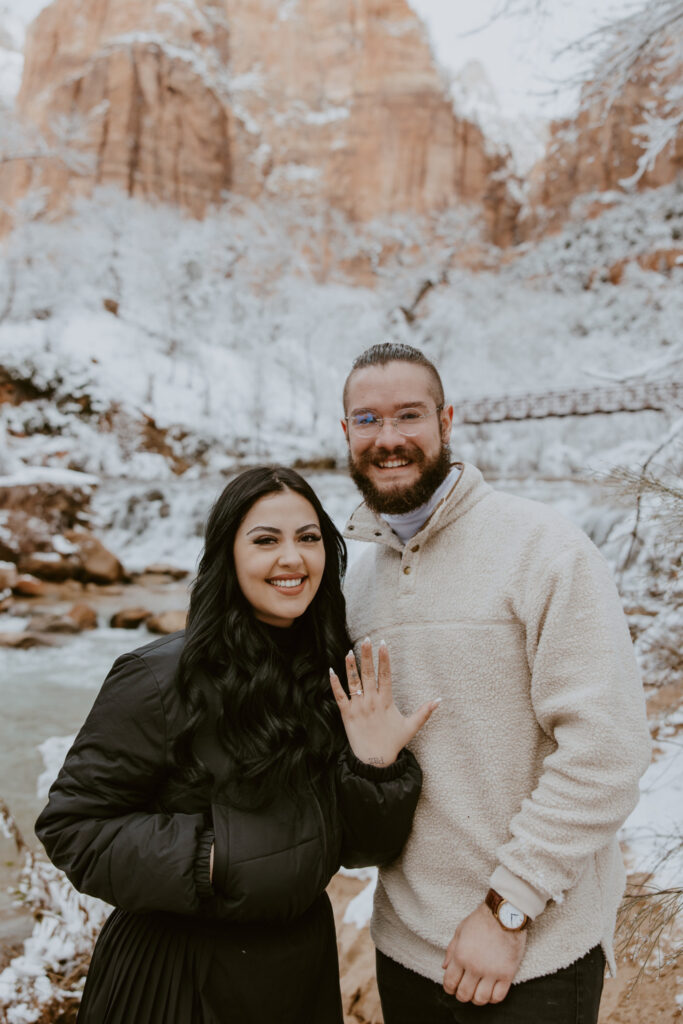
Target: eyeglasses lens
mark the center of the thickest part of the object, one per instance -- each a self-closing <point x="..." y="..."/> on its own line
<point x="371" y="426"/>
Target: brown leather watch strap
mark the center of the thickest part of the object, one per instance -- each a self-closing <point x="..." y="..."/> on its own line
<point x="493" y="901"/>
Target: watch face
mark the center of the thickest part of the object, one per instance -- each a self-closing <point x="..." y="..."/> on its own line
<point x="509" y="916"/>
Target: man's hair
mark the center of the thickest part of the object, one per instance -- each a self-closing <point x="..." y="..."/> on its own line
<point x="394" y="352"/>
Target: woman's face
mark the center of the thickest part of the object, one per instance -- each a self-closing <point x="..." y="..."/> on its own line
<point x="279" y="557"/>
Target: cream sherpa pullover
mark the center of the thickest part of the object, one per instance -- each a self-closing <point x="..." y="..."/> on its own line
<point x="506" y="611"/>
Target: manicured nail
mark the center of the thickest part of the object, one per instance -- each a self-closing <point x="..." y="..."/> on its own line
<point x="383" y="643"/>
<point x="350" y="654"/>
<point x="367" y="640"/>
<point x="331" y="672"/>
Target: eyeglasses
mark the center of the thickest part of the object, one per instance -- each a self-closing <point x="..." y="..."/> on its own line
<point x="408" y="422"/>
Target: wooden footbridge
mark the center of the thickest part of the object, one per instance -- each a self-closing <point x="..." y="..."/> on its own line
<point x="657" y="395"/>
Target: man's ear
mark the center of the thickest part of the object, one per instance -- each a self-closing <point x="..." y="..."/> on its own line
<point x="345" y="428"/>
<point x="446" y="423"/>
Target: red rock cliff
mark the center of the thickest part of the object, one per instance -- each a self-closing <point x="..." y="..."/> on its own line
<point x="339" y="100"/>
<point x="598" y="150"/>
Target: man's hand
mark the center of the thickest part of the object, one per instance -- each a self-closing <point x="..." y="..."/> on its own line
<point x="482" y="959"/>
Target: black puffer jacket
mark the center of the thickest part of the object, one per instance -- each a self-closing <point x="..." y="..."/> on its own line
<point x="124" y="829"/>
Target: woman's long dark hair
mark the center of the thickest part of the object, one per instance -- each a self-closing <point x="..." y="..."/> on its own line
<point x="277" y="722"/>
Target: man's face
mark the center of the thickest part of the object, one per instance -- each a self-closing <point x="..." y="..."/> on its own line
<point x="396" y="473"/>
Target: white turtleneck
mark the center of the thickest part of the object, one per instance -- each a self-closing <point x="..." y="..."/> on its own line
<point x="406" y="525"/>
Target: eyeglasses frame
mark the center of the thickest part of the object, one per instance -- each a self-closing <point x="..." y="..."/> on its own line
<point x="394" y="422"/>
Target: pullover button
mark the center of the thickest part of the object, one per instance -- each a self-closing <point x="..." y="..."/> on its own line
<point x="406" y="570"/>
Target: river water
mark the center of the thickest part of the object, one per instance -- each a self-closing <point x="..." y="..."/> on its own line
<point x="45" y="693"/>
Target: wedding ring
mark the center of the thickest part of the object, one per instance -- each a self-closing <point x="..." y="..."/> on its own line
<point x="357" y="693"/>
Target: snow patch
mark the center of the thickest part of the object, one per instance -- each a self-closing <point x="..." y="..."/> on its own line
<point x="405" y="27"/>
<point x="53" y="752"/>
<point x="31" y="475"/>
<point x="327" y="115"/>
<point x="474" y="98"/>
<point x="359" y="910"/>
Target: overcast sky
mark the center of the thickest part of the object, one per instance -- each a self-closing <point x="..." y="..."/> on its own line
<point x="519" y="55"/>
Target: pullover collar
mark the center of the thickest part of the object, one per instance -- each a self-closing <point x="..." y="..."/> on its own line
<point x="468" y="490"/>
<point x="408" y="524"/>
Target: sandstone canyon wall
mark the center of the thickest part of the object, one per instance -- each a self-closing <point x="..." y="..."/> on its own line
<point x="598" y="151"/>
<point x="339" y="101"/>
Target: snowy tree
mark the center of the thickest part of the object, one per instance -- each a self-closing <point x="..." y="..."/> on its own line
<point x="641" y="42"/>
<point x="22" y="141"/>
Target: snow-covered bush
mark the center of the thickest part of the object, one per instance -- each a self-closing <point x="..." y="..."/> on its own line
<point x="45" y="982"/>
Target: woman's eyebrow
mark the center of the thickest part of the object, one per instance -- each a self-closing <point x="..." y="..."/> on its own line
<point x="274" y="529"/>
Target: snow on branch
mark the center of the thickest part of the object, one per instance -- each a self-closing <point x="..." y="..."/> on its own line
<point x="644" y="44"/>
<point x="649" y="38"/>
<point x="23" y="141"/>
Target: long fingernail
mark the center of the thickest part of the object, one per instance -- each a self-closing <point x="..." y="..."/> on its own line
<point x="350" y="654"/>
<point x="437" y="700"/>
<point x="367" y="640"/>
<point x="383" y="643"/>
<point x="332" y="672"/>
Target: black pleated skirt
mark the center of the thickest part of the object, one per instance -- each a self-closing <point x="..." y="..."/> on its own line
<point x="154" y="968"/>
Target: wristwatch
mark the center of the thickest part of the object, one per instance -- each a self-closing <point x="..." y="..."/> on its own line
<point x="508" y="916"/>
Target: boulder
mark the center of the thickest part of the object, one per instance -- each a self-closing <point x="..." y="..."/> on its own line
<point x="84" y="615"/>
<point x="167" y="622"/>
<point x="130" y="618"/>
<point x="53" y="624"/>
<point x="28" y="586"/>
<point x="49" y="565"/>
<point x="70" y="589"/>
<point x="97" y="564"/>
<point x="162" y="569"/>
<point x="23" y="641"/>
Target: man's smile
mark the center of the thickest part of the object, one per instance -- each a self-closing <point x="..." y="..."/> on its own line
<point x="393" y="463"/>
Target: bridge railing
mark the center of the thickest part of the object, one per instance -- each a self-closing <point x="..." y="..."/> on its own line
<point x="655" y="395"/>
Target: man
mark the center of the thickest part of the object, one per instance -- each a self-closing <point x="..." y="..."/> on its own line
<point x="502" y="906"/>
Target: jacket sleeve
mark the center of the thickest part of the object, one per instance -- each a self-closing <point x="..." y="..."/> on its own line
<point x="98" y="826"/>
<point x="587" y="698"/>
<point x="376" y="807"/>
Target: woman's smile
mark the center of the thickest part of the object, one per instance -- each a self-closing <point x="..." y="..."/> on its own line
<point x="288" y="584"/>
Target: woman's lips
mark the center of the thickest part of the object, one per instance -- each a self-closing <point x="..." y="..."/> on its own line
<point x="289" y="585"/>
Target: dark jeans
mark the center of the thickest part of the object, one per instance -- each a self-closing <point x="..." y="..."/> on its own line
<point x="569" y="996"/>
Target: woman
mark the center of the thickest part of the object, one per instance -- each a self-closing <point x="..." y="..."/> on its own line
<point x="212" y="792"/>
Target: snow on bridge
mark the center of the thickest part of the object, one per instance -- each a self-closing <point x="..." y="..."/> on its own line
<point x="658" y="395"/>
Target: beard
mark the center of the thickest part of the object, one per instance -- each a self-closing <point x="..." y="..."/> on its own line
<point x="399" y="500"/>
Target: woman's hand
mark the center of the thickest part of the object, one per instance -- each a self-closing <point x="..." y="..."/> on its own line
<point x="376" y="729"/>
